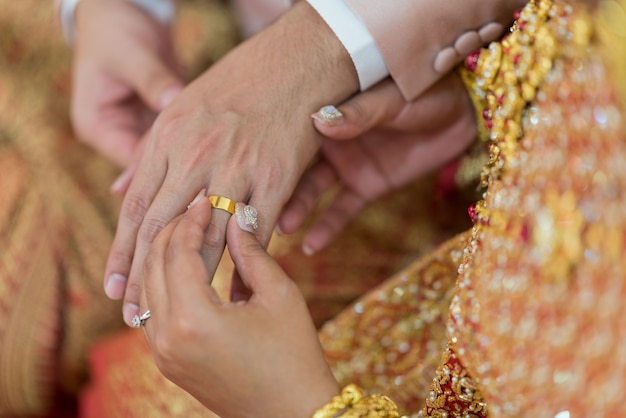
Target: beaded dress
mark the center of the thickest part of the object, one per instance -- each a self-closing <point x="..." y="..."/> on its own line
<point x="536" y="323"/>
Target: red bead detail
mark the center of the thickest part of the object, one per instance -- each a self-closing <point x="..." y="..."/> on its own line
<point x="524" y="233"/>
<point x="516" y="59"/>
<point x="489" y="124"/>
<point x="471" y="211"/>
<point x="517" y="14"/>
<point x="521" y="25"/>
<point x="472" y="61"/>
<point x="500" y="99"/>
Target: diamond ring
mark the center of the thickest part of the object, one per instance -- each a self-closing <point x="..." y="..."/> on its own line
<point x="140" y="320"/>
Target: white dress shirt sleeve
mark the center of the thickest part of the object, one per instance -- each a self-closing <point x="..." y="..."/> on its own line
<point x="355" y="37"/>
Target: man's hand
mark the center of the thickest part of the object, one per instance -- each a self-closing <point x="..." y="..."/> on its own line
<point x="241" y="130"/>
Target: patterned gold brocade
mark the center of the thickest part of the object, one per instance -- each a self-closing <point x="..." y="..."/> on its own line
<point x="52" y="228"/>
<point x="391" y="340"/>
<point x="537" y="318"/>
<point x="537" y="321"/>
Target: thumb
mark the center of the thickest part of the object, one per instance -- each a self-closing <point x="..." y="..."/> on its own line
<point x="361" y="113"/>
<point x="257" y="269"/>
<point x="156" y="83"/>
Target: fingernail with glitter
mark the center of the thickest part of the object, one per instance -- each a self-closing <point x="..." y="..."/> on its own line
<point x="197" y="198"/>
<point x="129" y="311"/>
<point x="247" y="217"/>
<point x="329" y="116"/>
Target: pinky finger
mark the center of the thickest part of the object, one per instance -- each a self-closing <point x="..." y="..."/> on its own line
<point x="333" y="220"/>
<point x="319" y="179"/>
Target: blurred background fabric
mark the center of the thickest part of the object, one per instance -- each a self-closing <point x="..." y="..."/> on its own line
<point x="57" y="220"/>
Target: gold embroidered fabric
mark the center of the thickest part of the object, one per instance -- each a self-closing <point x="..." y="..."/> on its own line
<point x="536" y="316"/>
<point x="391" y="340"/>
<point x="53" y="228"/>
<point x="536" y="322"/>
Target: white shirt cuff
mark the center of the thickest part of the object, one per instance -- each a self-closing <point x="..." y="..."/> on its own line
<point x="68" y="7"/>
<point x="352" y="33"/>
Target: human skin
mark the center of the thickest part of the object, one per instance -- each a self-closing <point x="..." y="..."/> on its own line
<point x="222" y="133"/>
<point x="238" y="131"/>
<point x="124" y="73"/>
<point x="240" y="358"/>
<point x="254" y="358"/>
<point x="382" y="143"/>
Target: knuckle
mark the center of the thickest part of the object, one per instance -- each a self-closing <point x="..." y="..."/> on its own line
<point x="120" y="258"/>
<point x="287" y="290"/>
<point x="252" y="256"/>
<point x="213" y="239"/>
<point x="150" y="266"/>
<point x="165" y="128"/>
<point x="134" y="208"/>
<point x="276" y="170"/>
<point x="361" y="115"/>
<point x="150" y="228"/>
<point x="186" y="328"/>
<point x="133" y="288"/>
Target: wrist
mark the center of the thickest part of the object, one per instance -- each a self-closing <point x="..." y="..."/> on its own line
<point x="328" y="70"/>
<point x="297" y="61"/>
<point x="356" y="39"/>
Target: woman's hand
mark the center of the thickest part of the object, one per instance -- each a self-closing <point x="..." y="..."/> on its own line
<point x="381" y="144"/>
<point x="125" y="72"/>
<point x="255" y="358"/>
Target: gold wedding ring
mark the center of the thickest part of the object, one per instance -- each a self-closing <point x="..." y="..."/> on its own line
<point x="224" y="203"/>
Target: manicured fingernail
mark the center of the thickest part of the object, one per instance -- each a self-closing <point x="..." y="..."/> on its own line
<point x="169" y="95"/>
<point x="197" y="198"/>
<point x="329" y="116"/>
<point x="307" y="250"/>
<point x="120" y="182"/>
<point x="278" y="230"/>
<point x="115" y="286"/>
<point x="247" y="217"/>
<point x="129" y="311"/>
